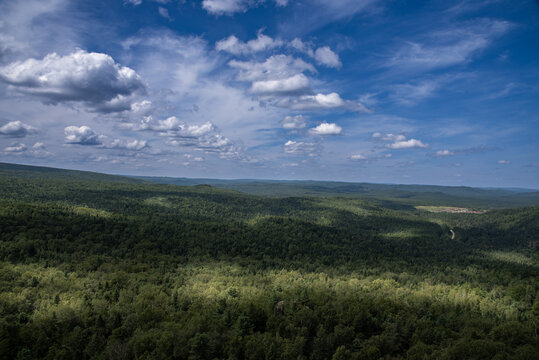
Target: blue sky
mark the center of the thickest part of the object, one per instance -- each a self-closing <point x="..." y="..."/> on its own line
<point x="424" y="92"/>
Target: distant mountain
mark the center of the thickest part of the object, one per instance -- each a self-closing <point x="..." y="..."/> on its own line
<point x="386" y="195"/>
<point x="380" y="193"/>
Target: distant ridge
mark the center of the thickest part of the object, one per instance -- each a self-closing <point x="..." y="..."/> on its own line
<point x="389" y="195"/>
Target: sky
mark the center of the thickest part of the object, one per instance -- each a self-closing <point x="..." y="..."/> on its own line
<point x="423" y="92"/>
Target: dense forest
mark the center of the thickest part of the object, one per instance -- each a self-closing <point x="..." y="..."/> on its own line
<point x="95" y="266"/>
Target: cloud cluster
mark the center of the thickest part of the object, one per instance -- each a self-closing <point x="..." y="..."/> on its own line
<point x="127" y="145"/>
<point x="301" y="148"/>
<point x="274" y="67"/>
<point x="17" y="129"/>
<point x="235" y="46"/>
<point x="204" y="137"/>
<point x="36" y="150"/>
<point x="93" y="79"/>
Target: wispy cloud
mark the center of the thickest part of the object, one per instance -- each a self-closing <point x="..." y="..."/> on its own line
<point x="447" y="47"/>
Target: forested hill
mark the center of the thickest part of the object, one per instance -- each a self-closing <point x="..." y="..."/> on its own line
<point x="398" y="194"/>
<point x="48" y="173"/>
<point x="96" y="266"/>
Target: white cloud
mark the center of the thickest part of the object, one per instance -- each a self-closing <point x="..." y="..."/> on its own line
<point x="82" y="135"/>
<point x="325" y="56"/>
<point x="294" y="122"/>
<point x="300" y="148"/>
<point x="16" y="129"/>
<point x="164" y="13"/>
<point x="388" y="137"/>
<point x="90" y="78"/>
<point x="16" y="148"/>
<point x="205" y="137"/>
<point x="398" y="141"/>
<point x="293" y="84"/>
<point x="449" y="47"/>
<point x="127" y="145"/>
<point x="504" y="162"/>
<point x="444" y="153"/>
<point x="358" y="157"/>
<point x="174" y="127"/>
<point x="407" y="144"/>
<point x="237" y="47"/>
<point x="409" y="94"/>
<point x="36" y="150"/>
<point x="133" y="2"/>
<point x="274" y="67"/>
<point x="229" y="7"/>
<point x="326" y="129"/>
<point x="320" y="102"/>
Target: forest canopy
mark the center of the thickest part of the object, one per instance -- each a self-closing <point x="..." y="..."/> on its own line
<point x="96" y="266"/>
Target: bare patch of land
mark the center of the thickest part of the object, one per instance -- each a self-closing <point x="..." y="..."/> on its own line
<point x="450" y="209"/>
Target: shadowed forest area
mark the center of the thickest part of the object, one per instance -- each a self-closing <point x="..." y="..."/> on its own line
<point x="96" y="266"/>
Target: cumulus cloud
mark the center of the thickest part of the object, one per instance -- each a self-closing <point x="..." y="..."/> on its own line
<point x="326" y="129"/>
<point x="82" y="135"/>
<point x="16" y="129"/>
<point x="294" y="84"/>
<point x="407" y="144"/>
<point x="237" y="47"/>
<point x="36" y="150"/>
<point x="300" y="148"/>
<point x="174" y="127"/>
<point x="93" y="79"/>
<point x="398" y="141"/>
<point x="320" y="102"/>
<point x="388" y="137"/>
<point x="325" y="56"/>
<point x="294" y="122"/>
<point x="16" y="148"/>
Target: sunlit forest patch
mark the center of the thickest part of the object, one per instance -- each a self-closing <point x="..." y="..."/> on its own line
<point x="513" y="257"/>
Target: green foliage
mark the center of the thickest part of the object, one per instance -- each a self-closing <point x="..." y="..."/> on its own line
<point x="99" y="267"/>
